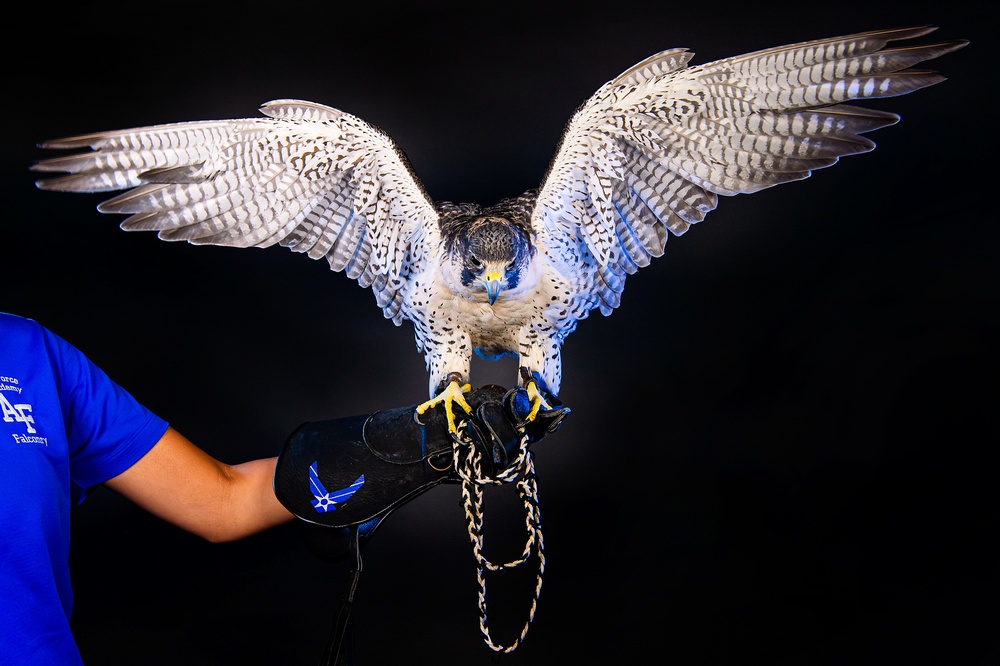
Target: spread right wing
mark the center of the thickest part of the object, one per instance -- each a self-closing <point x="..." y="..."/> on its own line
<point x="307" y="177"/>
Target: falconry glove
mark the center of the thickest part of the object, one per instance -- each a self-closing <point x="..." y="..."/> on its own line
<point x="343" y="477"/>
<point x="354" y="471"/>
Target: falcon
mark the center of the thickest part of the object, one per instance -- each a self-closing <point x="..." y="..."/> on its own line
<point x="646" y="156"/>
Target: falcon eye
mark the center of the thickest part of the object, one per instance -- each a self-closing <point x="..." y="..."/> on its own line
<point x="475" y="263"/>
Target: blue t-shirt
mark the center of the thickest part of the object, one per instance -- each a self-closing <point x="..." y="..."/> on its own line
<point x="64" y="427"/>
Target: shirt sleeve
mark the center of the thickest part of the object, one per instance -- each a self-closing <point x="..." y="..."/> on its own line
<point x="107" y="429"/>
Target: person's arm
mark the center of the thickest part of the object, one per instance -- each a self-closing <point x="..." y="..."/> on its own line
<point x="185" y="486"/>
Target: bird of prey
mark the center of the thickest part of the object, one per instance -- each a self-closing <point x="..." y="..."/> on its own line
<point x="647" y="155"/>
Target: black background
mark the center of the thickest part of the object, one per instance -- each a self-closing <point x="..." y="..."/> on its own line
<point x="782" y="445"/>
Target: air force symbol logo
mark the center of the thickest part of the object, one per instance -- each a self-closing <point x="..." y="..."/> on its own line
<point x="325" y="500"/>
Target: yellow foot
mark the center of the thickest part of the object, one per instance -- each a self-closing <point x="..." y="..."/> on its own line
<point x="537" y="401"/>
<point x="534" y="395"/>
<point x="452" y="393"/>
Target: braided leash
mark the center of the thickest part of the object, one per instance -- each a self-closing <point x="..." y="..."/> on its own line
<point x="469" y="468"/>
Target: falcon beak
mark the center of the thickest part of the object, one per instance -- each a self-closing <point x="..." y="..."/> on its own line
<point x="491" y="281"/>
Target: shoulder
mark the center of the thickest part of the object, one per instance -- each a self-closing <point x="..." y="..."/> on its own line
<point x="23" y="338"/>
<point x="27" y="338"/>
<point x="31" y="349"/>
<point x="12" y="324"/>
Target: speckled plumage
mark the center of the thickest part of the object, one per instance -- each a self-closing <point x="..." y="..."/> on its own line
<point x="649" y="153"/>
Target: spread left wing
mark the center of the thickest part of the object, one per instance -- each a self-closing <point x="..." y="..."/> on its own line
<point x="307" y="177"/>
<point x="651" y="150"/>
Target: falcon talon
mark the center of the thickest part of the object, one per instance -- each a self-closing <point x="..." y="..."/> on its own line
<point x="453" y="392"/>
<point x="537" y="401"/>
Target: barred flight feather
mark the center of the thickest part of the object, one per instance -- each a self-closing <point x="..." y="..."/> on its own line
<point x="654" y="67"/>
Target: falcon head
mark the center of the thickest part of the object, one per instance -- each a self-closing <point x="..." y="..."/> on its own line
<point x="490" y="255"/>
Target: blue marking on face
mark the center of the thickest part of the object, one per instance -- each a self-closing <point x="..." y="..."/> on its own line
<point x="495" y="243"/>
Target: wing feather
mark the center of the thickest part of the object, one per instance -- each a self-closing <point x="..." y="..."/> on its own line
<point x="307" y="177"/>
<point x="653" y="149"/>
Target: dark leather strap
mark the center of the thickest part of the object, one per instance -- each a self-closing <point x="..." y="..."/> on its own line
<point x="339" y="648"/>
